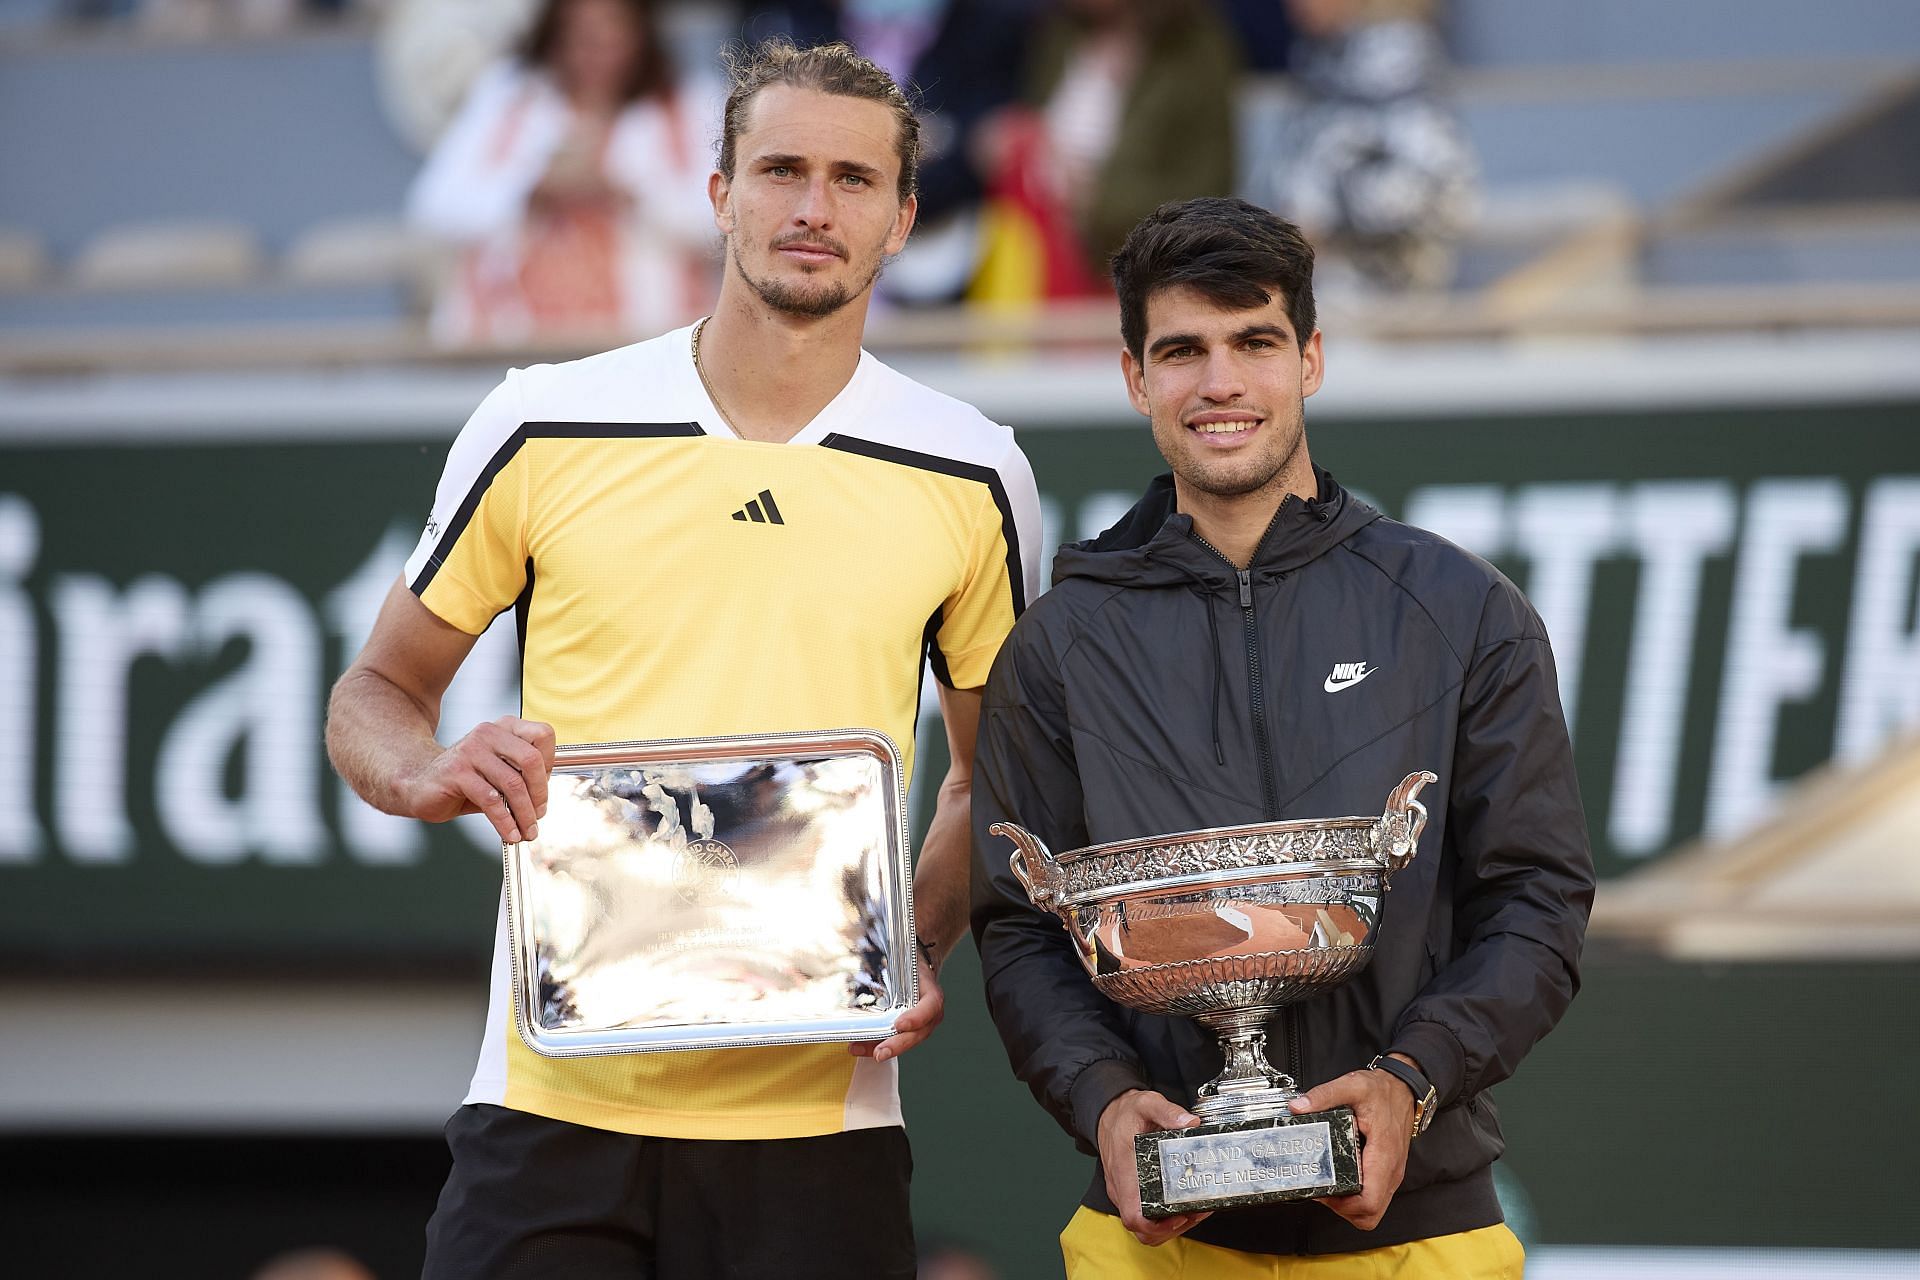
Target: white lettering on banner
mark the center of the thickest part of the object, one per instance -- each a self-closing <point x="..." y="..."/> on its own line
<point x="1563" y="529"/>
<point x="1101" y="510"/>
<point x="1472" y="515"/>
<point x="1880" y="680"/>
<point x="1674" y="527"/>
<point x="1770" y="663"/>
<point x="258" y="711"/>
<point x="102" y="633"/>
<point x="266" y="711"/>
<point x="21" y="838"/>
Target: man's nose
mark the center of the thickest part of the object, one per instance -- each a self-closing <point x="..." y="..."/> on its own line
<point x="1221" y="380"/>
<point x="815" y="209"/>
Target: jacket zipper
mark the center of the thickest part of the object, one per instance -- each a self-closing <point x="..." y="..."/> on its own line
<point x="1268" y="792"/>
<point x="1269" y="795"/>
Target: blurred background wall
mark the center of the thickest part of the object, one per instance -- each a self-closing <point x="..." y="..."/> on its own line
<point x="1624" y="297"/>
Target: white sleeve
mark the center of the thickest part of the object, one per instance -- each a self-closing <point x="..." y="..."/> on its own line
<point x="484" y="448"/>
<point x="1023" y="495"/>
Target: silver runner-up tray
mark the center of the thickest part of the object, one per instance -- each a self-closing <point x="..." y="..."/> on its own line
<point x="709" y="893"/>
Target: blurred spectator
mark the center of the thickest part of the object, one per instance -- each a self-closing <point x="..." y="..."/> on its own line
<point x="948" y="1260"/>
<point x="1375" y="165"/>
<point x="573" y="181"/>
<point x="961" y="60"/>
<point x="312" y="1264"/>
<point x="197" y="19"/>
<point x="1130" y="104"/>
<point x="1266" y="36"/>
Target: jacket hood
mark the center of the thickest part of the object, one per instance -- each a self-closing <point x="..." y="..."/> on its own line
<point x="1154" y="544"/>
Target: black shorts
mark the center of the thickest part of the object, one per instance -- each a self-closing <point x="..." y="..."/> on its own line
<point x="532" y="1197"/>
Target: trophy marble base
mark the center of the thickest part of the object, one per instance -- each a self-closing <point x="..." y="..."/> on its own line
<point x="1246" y="1162"/>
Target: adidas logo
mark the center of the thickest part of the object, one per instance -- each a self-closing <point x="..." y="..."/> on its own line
<point x="760" y="510"/>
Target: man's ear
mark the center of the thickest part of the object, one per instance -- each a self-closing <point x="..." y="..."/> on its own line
<point x="1313" y="365"/>
<point x="902" y="225"/>
<point x="1136" y="377"/>
<point x="720" y="193"/>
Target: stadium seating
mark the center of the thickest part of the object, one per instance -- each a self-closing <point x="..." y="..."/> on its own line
<point x="1626" y="147"/>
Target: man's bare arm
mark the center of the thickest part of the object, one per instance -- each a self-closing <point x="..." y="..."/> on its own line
<point x="382" y="717"/>
<point x="940" y="879"/>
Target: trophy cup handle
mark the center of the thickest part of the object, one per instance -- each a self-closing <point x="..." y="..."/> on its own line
<point x="1032" y="863"/>
<point x="1396" y="836"/>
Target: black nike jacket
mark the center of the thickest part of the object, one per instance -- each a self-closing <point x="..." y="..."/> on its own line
<point x="1158" y="689"/>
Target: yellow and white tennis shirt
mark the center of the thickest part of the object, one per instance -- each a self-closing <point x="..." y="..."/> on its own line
<point x="673" y="580"/>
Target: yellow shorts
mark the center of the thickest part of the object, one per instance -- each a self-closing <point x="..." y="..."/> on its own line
<point x="1097" y="1247"/>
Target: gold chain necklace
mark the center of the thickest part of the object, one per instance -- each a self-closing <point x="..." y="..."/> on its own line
<point x="702" y="371"/>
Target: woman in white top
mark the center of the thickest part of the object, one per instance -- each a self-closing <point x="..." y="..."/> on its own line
<point x="573" y="180"/>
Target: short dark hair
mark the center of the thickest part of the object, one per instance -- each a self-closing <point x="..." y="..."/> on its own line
<point x="827" y="68"/>
<point x="650" y="76"/>
<point x="1231" y="252"/>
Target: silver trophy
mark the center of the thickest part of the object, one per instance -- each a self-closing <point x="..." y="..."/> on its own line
<point x="1227" y="926"/>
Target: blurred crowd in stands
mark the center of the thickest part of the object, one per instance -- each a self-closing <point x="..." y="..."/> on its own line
<point x="570" y="179"/>
<point x="200" y="17"/>
<point x="568" y="188"/>
<point x="573" y="181"/>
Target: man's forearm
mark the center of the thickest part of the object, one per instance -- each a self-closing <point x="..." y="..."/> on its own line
<point x="377" y="737"/>
<point x="940" y="879"/>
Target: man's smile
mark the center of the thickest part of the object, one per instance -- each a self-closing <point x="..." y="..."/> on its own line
<point x="1224" y="426"/>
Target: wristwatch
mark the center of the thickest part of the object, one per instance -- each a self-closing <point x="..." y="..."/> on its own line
<point x="1426" y="1099"/>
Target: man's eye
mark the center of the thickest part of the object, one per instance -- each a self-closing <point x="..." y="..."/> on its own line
<point x="853" y="179"/>
<point x="779" y="170"/>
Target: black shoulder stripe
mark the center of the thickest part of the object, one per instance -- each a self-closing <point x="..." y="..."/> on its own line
<point x="609" y="430"/>
<point x="511" y="446"/>
<point x="930" y="642"/>
<point x="522" y="614"/>
<point x="468" y="505"/>
<point x="1009" y="531"/>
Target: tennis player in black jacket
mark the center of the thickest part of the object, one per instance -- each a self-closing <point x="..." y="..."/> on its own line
<point x="1253" y="643"/>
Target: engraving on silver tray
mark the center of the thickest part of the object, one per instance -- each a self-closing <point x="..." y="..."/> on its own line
<point x="1264" y="1160"/>
<point x="704" y="872"/>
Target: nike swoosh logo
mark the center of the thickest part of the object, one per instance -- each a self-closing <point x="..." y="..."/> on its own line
<point x="1334" y="686"/>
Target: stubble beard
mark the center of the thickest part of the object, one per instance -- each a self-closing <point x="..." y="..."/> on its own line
<point x="789" y="299"/>
<point x="1217" y="483"/>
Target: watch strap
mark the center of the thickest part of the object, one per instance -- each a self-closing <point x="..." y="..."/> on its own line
<point x="1425" y="1096"/>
